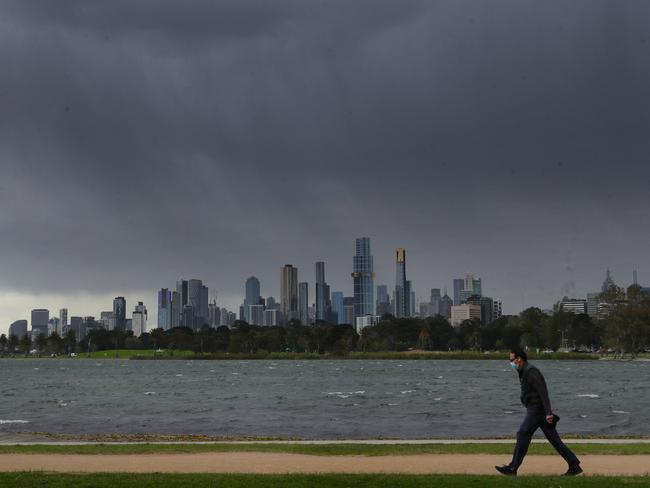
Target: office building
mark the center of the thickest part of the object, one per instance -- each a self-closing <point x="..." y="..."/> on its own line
<point x="323" y="302"/>
<point x="466" y="311"/>
<point x="497" y="309"/>
<point x="203" y="307"/>
<point x="434" y="300"/>
<point x="608" y="284"/>
<point x="40" y="319"/>
<point x="176" y="309"/>
<point x="107" y="320"/>
<point x="445" y="305"/>
<point x="459" y="285"/>
<point x="573" y="305"/>
<point x="119" y="312"/>
<point x="289" y="292"/>
<point x="337" y="306"/>
<point x="76" y="324"/>
<point x="487" y="307"/>
<point x="63" y="318"/>
<point x="272" y="316"/>
<point x="593" y="299"/>
<point x="366" y="321"/>
<point x="182" y="290"/>
<point x="363" y="278"/>
<point x="349" y="307"/>
<point x="194" y="300"/>
<point x="164" y="309"/>
<point x="188" y="317"/>
<point x="139" y="320"/>
<point x="214" y="314"/>
<point x="303" y="303"/>
<point x="255" y="314"/>
<point x="18" y="329"/>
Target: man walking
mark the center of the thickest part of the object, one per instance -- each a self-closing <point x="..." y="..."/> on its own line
<point x="534" y="396"/>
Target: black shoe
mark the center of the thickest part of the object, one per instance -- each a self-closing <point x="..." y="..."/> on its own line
<point x="574" y="470"/>
<point x="507" y="470"/>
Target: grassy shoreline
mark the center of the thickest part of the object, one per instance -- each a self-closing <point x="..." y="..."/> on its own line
<point x="101" y="480"/>
<point x="140" y="354"/>
<point x="322" y="449"/>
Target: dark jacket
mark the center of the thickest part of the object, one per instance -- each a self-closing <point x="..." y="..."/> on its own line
<point x="534" y="393"/>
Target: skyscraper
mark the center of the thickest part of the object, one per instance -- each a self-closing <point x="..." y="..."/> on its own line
<point x="181" y="289"/>
<point x="337" y="306"/>
<point x="363" y="278"/>
<point x="459" y="285"/>
<point x="289" y="292"/>
<point x="303" y="302"/>
<point x="63" y="319"/>
<point x="18" y="328"/>
<point x="196" y="293"/>
<point x="139" y="320"/>
<point x="382" y="306"/>
<point x="402" y="286"/>
<point x="164" y="309"/>
<point x="119" y="312"/>
<point x="435" y="300"/>
<point x="176" y="309"/>
<point x="608" y="284"/>
<point x="445" y="305"/>
<point x="252" y="296"/>
<point x="321" y="312"/>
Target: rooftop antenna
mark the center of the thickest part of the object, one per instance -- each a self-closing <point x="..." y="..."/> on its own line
<point x="634" y="277"/>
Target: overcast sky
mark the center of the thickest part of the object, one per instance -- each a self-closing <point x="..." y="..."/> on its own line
<point x="145" y="141"/>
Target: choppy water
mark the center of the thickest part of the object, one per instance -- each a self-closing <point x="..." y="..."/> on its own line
<point x="314" y="399"/>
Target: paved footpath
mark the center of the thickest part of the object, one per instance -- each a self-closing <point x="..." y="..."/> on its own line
<point x="267" y="463"/>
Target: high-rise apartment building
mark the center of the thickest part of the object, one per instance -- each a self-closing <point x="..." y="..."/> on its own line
<point x="402" y="293"/>
<point x="182" y="290"/>
<point x="289" y="292"/>
<point x="40" y="319"/>
<point x="119" y="312"/>
<point x="573" y="305"/>
<point x="363" y="277"/>
<point x="164" y="309"/>
<point x="349" y="307"/>
<point x="303" y="302"/>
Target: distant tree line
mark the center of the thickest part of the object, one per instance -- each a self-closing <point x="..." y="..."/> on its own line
<point x="624" y="329"/>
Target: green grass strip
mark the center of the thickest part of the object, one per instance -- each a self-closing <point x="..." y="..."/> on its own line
<point x="101" y="480"/>
<point x="323" y="449"/>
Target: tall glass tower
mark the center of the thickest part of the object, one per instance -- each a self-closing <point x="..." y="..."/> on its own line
<point x="402" y="286"/>
<point x="363" y="278"/>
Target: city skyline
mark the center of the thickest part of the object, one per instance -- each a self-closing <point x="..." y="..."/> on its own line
<point x="252" y="286"/>
<point x="222" y="140"/>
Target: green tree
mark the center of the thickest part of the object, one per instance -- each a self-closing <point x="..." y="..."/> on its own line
<point x="12" y="343"/>
<point x="70" y="341"/>
<point x="531" y="326"/>
<point x="424" y="339"/>
<point x="41" y="343"/>
<point x="25" y="344"/>
<point x="3" y="343"/>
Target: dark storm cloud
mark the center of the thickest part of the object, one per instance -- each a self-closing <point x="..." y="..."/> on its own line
<point x="143" y="141"/>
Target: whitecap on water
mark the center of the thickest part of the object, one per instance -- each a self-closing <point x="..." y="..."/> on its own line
<point x="583" y="416"/>
<point x="619" y="411"/>
<point x="587" y="395"/>
<point x="438" y="399"/>
<point x="179" y="374"/>
<point x="36" y="369"/>
<point x="149" y="392"/>
<point x="507" y="412"/>
<point x="14" y="421"/>
<point x="404" y="392"/>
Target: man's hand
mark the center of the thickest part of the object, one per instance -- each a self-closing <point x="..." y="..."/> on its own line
<point x="549" y="418"/>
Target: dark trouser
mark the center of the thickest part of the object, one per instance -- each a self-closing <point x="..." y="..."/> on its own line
<point x="536" y="418"/>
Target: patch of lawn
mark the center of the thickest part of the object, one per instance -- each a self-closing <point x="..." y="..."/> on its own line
<point x="101" y="480"/>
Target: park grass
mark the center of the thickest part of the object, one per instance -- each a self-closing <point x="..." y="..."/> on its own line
<point x="151" y="480"/>
<point x="129" y="353"/>
<point x="321" y="449"/>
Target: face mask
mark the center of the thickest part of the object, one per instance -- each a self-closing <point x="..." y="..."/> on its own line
<point x="514" y="366"/>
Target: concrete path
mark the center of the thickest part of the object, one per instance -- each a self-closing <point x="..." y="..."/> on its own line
<point x="267" y="463"/>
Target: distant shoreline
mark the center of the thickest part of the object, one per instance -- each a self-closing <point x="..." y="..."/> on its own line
<point x="290" y="356"/>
